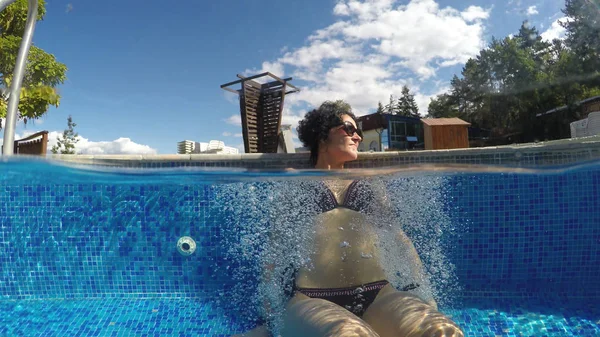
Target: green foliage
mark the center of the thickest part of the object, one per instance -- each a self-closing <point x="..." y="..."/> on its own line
<point x="512" y="80"/>
<point x="43" y="73"/>
<point x="391" y="107"/>
<point x="380" y="108"/>
<point x="66" y="143"/>
<point x="14" y="17"/>
<point x="443" y="106"/>
<point x="583" y="36"/>
<point x="407" y="106"/>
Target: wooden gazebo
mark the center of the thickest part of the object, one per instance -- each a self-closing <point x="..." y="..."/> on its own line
<point x="261" y="108"/>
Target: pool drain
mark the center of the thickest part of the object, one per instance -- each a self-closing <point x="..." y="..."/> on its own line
<point x="186" y="246"/>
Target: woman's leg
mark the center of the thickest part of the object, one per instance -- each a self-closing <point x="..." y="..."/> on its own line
<point x="395" y="313"/>
<point x="260" y="331"/>
<point x="307" y="316"/>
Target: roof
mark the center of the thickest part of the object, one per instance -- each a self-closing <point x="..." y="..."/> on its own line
<point x="587" y="100"/>
<point x="372" y="122"/>
<point x="444" y="121"/>
<point x="380" y="120"/>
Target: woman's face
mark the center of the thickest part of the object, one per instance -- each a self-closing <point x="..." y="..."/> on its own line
<point x="342" y="142"/>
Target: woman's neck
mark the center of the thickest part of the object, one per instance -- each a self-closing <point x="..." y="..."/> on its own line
<point x="324" y="164"/>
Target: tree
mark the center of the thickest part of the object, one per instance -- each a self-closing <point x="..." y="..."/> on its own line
<point x="508" y="84"/>
<point x="407" y="106"/>
<point x="66" y="144"/>
<point x="442" y="107"/>
<point x="391" y="108"/>
<point x="380" y="108"/>
<point x="583" y="36"/>
<point x="42" y="72"/>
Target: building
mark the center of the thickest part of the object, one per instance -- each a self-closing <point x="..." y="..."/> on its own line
<point x="186" y="147"/>
<point x="212" y="147"/>
<point x="556" y="123"/>
<point x="385" y="132"/>
<point x="286" y="142"/>
<point x="446" y="133"/>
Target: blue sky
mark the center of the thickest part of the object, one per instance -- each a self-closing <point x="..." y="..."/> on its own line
<point x="144" y="75"/>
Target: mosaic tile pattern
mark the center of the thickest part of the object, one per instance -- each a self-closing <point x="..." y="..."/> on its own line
<point x="76" y="257"/>
<point x="521" y="155"/>
<point x="498" y="317"/>
<point x="528" y="233"/>
<point x="191" y="317"/>
<point x="91" y="240"/>
<point x="113" y="317"/>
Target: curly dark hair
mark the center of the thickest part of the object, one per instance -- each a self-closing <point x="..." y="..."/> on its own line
<point x="316" y="124"/>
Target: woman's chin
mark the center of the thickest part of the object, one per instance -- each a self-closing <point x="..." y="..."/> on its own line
<point x="352" y="155"/>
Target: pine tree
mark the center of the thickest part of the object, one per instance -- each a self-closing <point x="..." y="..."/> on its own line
<point x="390" y="108"/>
<point x="407" y="106"/>
<point x="66" y="144"/>
<point x="380" y="108"/>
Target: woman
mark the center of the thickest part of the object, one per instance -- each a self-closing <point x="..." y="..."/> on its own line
<point x="346" y="293"/>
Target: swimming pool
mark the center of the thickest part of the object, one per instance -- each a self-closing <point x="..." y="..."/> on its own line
<point x="94" y="252"/>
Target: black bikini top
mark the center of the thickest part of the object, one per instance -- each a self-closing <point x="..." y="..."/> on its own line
<point x="359" y="197"/>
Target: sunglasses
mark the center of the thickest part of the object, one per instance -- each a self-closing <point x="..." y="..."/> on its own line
<point x="350" y="129"/>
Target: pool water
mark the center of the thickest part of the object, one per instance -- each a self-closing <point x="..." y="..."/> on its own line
<point x="93" y="252"/>
<point x="193" y="317"/>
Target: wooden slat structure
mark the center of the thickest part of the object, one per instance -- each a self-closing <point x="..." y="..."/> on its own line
<point x="445" y="133"/>
<point x="35" y="144"/>
<point x="261" y="108"/>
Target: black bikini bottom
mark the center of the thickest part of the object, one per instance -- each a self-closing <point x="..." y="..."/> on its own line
<point x="355" y="299"/>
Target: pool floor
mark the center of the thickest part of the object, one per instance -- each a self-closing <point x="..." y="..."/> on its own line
<point x="112" y="317"/>
<point x="193" y="317"/>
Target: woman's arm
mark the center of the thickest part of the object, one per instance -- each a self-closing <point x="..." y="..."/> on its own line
<point x="385" y="209"/>
<point x="416" y="265"/>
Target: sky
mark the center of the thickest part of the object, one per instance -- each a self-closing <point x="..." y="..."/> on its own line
<point x="144" y="75"/>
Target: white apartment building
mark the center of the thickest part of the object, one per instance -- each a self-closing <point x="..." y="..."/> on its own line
<point x="212" y="147"/>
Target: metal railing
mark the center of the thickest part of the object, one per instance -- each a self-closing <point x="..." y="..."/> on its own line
<point x="17" y="80"/>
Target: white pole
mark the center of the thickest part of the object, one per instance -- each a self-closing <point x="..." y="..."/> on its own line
<point x="17" y="80"/>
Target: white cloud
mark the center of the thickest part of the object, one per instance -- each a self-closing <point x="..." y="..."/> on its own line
<point x="118" y="146"/>
<point x="85" y="146"/>
<point x="275" y="68"/>
<point x="373" y="49"/>
<point x="121" y="145"/>
<point x="556" y="31"/>
<point x="229" y="134"/>
<point x="312" y="56"/>
<point x="474" y="13"/>
<point x="532" y="10"/>
<point x="234" y="120"/>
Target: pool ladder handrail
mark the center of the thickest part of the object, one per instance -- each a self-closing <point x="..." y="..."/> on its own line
<point x="14" y="93"/>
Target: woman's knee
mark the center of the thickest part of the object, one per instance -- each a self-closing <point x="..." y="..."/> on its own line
<point x="407" y="315"/>
<point x="317" y="317"/>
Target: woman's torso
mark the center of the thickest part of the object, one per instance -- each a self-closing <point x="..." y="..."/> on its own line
<point x="344" y="248"/>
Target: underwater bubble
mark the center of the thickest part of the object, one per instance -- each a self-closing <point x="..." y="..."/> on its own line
<point x="267" y="223"/>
